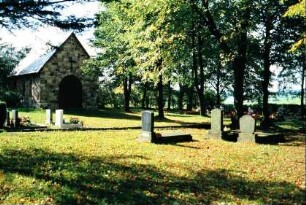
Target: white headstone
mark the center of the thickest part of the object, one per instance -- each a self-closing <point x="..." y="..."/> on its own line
<point x="48" y="116"/>
<point x="15" y="119"/>
<point x="216" y="124"/>
<point x="247" y="124"/>
<point x="59" y="118"/>
<point x="216" y="121"/>
<point x="247" y="129"/>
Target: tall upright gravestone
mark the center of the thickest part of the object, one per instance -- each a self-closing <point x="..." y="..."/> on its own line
<point x="247" y="129"/>
<point x="15" y="119"/>
<point x="8" y="120"/>
<point x="59" y="118"/>
<point x="216" y="126"/>
<point x="147" y="126"/>
<point x="48" y="116"/>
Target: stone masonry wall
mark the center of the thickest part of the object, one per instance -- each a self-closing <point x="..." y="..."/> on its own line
<point x="60" y="66"/>
<point x="29" y="87"/>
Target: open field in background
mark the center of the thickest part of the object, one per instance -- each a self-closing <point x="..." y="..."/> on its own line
<point x="102" y="167"/>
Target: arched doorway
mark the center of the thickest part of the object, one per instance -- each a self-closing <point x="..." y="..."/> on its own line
<point x="70" y="92"/>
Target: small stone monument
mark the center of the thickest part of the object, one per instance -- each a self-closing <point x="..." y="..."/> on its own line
<point x="48" y="116"/>
<point x="15" y="119"/>
<point x="216" y="126"/>
<point x="59" y="118"/>
<point x="147" y="127"/>
<point x="8" y="120"/>
<point x="247" y="129"/>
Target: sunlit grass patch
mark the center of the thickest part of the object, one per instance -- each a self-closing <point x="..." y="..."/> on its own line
<point x="112" y="167"/>
<point x="109" y="118"/>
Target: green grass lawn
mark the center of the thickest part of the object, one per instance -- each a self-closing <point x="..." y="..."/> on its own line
<point x="111" y="167"/>
<point x="113" y="118"/>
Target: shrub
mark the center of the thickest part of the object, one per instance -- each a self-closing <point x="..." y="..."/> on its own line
<point x="11" y="98"/>
<point x="2" y="113"/>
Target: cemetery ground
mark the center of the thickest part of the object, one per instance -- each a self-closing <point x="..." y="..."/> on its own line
<point x="111" y="167"/>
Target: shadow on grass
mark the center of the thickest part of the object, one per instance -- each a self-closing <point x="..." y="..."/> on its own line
<point x="118" y="114"/>
<point x="107" y="113"/>
<point x="72" y="179"/>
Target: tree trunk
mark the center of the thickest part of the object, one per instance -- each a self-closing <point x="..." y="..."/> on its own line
<point x="189" y="98"/>
<point x="169" y="96"/>
<point x="160" y="97"/>
<point x="303" y="92"/>
<point x="181" y="97"/>
<point x="200" y="80"/>
<point x="127" y="85"/>
<point x="239" y="65"/>
<point x="144" y="105"/>
<point x="218" y="97"/>
<point x="266" y="74"/>
<point x="239" y="62"/>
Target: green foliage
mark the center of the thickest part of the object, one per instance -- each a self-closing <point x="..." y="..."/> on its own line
<point x="9" y="58"/>
<point x="11" y="97"/>
<point x="190" y="41"/>
<point x="297" y="10"/>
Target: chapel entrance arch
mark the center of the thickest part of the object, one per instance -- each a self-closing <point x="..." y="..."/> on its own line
<point x="70" y="92"/>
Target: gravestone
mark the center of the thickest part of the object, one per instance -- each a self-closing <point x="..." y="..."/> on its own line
<point x="8" y="120"/>
<point x="216" y="126"/>
<point x="15" y="119"/>
<point x="147" y="126"/>
<point x="247" y="129"/>
<point x="59" y="118"/>
<point x="48" y="116"/>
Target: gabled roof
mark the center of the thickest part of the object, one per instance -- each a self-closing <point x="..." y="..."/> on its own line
<point x="35" y="66"/>
<point x="38" y="64"/>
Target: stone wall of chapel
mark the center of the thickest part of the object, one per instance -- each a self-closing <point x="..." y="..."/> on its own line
<point x="29" y="87"/>
<point x="58" y="67"/>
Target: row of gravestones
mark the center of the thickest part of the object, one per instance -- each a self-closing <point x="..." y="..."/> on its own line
<point x="14" y="122"/>
<point x="59" y="122"/>
<point x="246" y="122"/>
<point x="246" y="131"/>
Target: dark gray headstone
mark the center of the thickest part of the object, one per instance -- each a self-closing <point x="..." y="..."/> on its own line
<point x="15" y="118"/>
<point x="247" y="129"/>
<point x="147" y="120"/>
<point x="147" y="126"/>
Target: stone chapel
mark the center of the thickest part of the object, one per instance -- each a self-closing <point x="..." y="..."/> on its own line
<point x="55" y="80"/>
